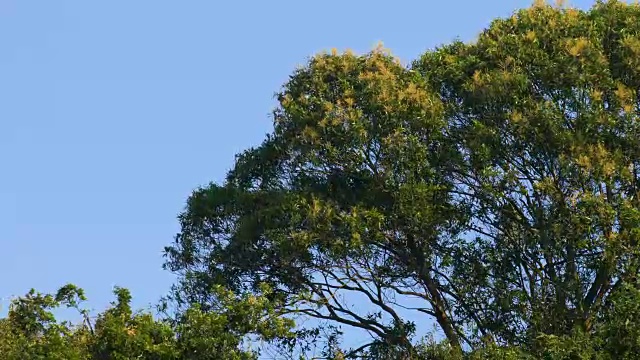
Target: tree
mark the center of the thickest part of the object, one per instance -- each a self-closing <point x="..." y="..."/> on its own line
<point x="546" y="105"/>
<point x="30" y="331"/>
<point x="493" y="186"/>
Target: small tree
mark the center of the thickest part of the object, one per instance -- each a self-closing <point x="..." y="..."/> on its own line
<point x="30" y="331"/>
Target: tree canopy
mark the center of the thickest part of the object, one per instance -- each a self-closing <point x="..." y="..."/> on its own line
<point x="490" y="188"/>
<point x="492" y="185"/>
<point x="31" y="331"/>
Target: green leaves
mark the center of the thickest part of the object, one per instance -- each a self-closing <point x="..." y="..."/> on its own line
<point x="329" y="203"/>
<point x="31" y="331"/>
<point x="493" y="183"/>
<point x="490" y="188"/>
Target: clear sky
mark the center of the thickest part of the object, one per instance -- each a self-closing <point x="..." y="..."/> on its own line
<point x="112" y="112"/>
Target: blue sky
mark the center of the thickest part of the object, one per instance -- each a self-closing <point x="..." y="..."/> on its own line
<point x="112" y="112"/>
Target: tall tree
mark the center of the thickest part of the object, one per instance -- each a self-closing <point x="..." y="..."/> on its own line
<point x="346" y="196"/>
<point x="491" y="187"/>
<point x="544" y="108"/>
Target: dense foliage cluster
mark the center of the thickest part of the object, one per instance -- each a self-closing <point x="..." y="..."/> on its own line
<point x="31" y="331"/>
<point x="490" y="188"/>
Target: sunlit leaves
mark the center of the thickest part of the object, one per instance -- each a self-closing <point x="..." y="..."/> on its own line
<point x="494" y="182"/>
<point x="31" y="331"/>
